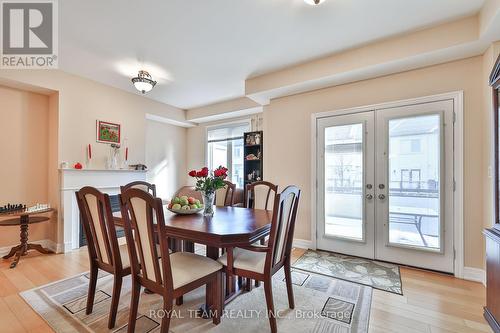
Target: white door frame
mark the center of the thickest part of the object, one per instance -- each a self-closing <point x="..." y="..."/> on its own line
<point x="458" y="137"/>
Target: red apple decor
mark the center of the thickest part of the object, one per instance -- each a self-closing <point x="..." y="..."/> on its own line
<point x="78" y="166"/>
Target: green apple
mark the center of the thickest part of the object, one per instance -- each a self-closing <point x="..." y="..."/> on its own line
<point x="176" y="200"/>
<point x="176" y="206"/>
<point x="193" y="206"/>
<point x="184" y="201"/>
<point x="184" y="197"/>
<point x="197" y="202"/>
<point x="185" y="207"/>
<point x="199" y="205"/>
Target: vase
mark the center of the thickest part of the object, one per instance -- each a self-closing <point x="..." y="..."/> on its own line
<point x="208" y="202"/>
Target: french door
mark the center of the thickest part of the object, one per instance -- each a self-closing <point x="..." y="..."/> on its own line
<point x="385" y="185"/>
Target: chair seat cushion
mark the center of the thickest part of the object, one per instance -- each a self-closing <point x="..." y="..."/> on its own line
<point x="246" y="259"/>
<point x="188" y="267"/>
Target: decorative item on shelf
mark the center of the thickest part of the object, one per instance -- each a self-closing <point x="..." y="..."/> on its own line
<point x="259" y="155"/>
<point x="251" y="157"/>
<point x="108" y="132"/>
<point x="64" y="165"/>
<point x="89" y="156"/>
<point x="10" y="208"/>
<point x="124" y="164"/>
<point x="143" y="82"/>
<point x="78" y="166"/>
<point x="141" y="167"/>
<point x="114" y="152"/>
<point x="38" y="208"/>
<point x="257" y="139"/>
<point x="185" y="205"/>
<point x="207" y="183"/>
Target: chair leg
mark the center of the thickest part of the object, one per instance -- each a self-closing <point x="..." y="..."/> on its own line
<point x="268" y="289"/>
<point x="289" y="287"/>
<point x="167" y="307"/>
<point x="257" y="283"/>
<point x="115" y="298"/>
<point x="134" y="305"/>
<point x="248" y="284"/>
<point x="217" y="296"/>
<point x="92" y="286"/>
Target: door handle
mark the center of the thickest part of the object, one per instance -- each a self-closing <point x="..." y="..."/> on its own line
<point x="369" y="196"/>
<point x="381" y="196"/>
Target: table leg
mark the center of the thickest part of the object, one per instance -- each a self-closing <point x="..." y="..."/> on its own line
<point x="23" y="248"/>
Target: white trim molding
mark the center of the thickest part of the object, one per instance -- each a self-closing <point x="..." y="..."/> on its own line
<point x="474" y="274"/>
<point x="301" y="243"/>
<point x="458" y="109"/>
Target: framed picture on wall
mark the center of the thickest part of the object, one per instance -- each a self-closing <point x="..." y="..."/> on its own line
<point x="108" y="132"/>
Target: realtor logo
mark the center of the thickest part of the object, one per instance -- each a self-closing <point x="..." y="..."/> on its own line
<point x="29" y="34"/>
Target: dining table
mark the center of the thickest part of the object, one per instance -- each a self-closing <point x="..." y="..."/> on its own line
<point x="229" y="227"/>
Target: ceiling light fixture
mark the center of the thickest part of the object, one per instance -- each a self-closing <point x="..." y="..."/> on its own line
<point x="143" y="82"/>
<point x="313" y="2"/>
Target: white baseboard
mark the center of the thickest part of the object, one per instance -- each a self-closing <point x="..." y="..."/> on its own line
<point x="302" y="243"/>
<point x="475" y="274"/>
<point x="46" y="243"/>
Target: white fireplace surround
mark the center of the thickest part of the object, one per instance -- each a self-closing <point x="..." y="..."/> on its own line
<point x="107" y="181"/>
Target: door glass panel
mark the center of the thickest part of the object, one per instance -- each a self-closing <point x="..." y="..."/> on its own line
<point x="344" y="181"/>
<point x="414" y="181"/>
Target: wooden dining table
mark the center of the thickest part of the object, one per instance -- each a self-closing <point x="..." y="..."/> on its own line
<point x="229" y="227"/>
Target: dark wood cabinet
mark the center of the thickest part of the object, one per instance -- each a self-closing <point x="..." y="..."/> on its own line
<point x="253" y="143"/>
<point x="492" y="308"/>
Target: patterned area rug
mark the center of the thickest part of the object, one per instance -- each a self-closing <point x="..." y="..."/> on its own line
<point x="322" y="305"/>
<point x="379" y="275"/>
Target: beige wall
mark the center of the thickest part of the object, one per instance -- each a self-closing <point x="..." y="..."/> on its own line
<point x="166" y="148"/>
<point x="24" y="138"/>
<point x="287" y="127"/>
<point x="82" y="102"/>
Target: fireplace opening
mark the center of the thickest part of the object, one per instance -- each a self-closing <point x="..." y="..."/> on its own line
<point x="115" y="207"/>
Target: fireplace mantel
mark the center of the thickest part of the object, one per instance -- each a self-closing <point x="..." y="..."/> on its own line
<point x="107" y="181"/>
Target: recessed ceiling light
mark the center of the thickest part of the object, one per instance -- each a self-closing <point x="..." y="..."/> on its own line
<point x="143" y="82"/>
<point x="313" y="2"/>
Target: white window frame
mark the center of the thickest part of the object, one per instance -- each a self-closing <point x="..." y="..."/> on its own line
<point x="224" y="125"/>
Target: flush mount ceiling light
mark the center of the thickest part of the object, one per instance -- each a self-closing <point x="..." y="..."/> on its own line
<point x="313" y="2"/>
<point x="143" y="82"/>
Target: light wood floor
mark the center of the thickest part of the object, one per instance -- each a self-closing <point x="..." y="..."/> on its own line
<point x="431" y="303"/>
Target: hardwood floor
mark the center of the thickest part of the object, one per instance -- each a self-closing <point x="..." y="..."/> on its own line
<point x="432" y="303"/>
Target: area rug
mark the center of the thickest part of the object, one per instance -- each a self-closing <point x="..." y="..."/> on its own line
<point x="322" y="304"/>
<point x="379" y="275"/>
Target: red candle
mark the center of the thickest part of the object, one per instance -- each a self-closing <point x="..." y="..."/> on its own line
<point x="90" y="151"/>
<point x="126" y="154"/>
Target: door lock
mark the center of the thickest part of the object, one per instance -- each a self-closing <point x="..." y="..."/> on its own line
<point x="381" y="196"/>
<point x="369" y="186"/>
<point x="381" y="186"/>
<point x="369" y="196"/>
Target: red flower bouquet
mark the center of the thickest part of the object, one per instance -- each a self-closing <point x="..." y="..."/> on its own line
<point x="207" y="183"/>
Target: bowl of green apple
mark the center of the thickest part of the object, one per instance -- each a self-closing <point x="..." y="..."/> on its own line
<point x="185" y="205"/>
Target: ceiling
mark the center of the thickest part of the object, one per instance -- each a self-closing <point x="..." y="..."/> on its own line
<point x="202" y="51"/>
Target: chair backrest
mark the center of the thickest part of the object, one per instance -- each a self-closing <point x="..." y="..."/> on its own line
<point x="189" y="191"/>
<point x="143" y="217"/>
<point x="283" y="226"/>
<point x="224" y="196"/>
<point x="145" y="186"/>
<point x="99" y="228"/>
<point x="261" y="195"/>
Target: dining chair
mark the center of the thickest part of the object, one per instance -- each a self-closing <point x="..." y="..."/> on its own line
<point x="102" y="243"/>
<point x="172" y="275"/>
<point x="261" y="262"/>
<point x="260" y="195"/>
<point x="145" y="186"/>
<point x="225" y="196"/>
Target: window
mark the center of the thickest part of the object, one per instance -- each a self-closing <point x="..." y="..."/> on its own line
<point x="225" y="147"/>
